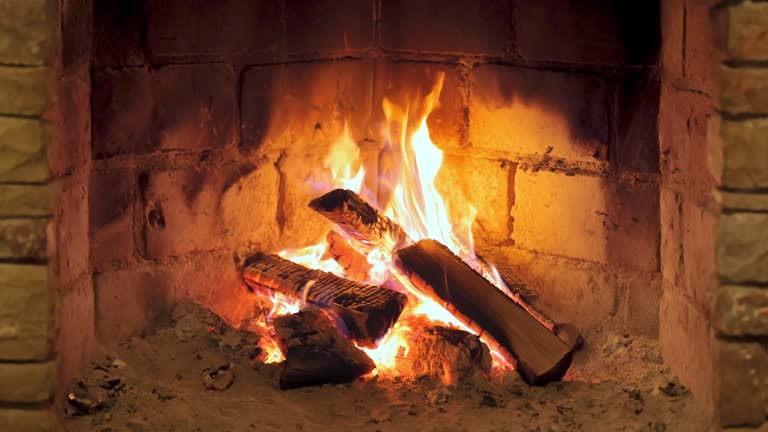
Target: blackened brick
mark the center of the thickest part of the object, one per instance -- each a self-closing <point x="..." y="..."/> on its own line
<point x="463" y="26"/>
<point x="327" y="25"/>
<point x="189" y="107"/>
<point x="599" y="31"/>
<point x="179" y="27"/>
<point x="525" y="111"/>
<point x="637" y="144"/>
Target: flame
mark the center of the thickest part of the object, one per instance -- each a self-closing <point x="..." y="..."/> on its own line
<point x="417" y="206"/>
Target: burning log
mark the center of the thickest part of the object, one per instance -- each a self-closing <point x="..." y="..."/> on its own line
<point x="366" y="311"/>
<point x="372" y="229"/>
<point x="315" y="352"/>
<point x="355" y="264"/>
<point x="359" y="219"/>
<point x="541" y="356"/>
<point x="449" y="353"/>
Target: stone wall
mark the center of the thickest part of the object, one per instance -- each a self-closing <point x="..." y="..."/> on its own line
<point x="740" y="302"/>
<point x="27" y="328"/>
<point x="207" y="140"/>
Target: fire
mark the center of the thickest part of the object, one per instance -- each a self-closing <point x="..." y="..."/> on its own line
<point x="416" y="205"/>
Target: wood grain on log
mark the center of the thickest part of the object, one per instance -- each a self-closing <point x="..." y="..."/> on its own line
<point x="366" y="311"/>
<point x="354" y="263"/>
<point x="358" y="219"/>
<point x="371" y="229"/>
<point x="315" y="352"/>
<point x="540" y="355"/>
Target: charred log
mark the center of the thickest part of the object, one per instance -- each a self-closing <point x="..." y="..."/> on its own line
<point x="359" y="219"/>
<point x="355" y="264"/>
<point x="366" y="311"/>
<point x="541" y="356"/>
<point x="371" y="229"/>
<point x="315" y="352"/>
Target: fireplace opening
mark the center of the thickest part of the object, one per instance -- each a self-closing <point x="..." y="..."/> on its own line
<point x="384" y="215"/>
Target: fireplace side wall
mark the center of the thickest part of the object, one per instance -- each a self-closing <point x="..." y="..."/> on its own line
<point x="205" y="141"/>
<point x="688" y="124"/>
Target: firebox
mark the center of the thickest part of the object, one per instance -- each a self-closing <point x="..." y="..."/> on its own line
<point x="383" y="215"/>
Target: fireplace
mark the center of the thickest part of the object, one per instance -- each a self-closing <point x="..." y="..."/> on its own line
<point x="601" y="163"/>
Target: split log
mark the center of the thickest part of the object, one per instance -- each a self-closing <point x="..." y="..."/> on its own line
<point x="371" y="229"/>
<point x="366" y="311"/>
<point x="359" y="219"/>
<point x="448" y="353"/>
<point x="355" y="264"/>
<point x="315" y="352"/>
<point x="540" y="355"/>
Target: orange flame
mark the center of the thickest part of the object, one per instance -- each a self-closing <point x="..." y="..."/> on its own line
<point x="417" y="207"/>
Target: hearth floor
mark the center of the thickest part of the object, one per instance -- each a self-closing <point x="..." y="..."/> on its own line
<point x="161" y="390"/>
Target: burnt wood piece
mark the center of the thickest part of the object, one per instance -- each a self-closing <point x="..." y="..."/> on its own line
<point x="354" y="263"/>
<point x="359" y="220"/>
<point x="448" y="353"/>
<point x="315" y="352"/>
<point x="367" y="311"/>
<point x="540" y="355"/>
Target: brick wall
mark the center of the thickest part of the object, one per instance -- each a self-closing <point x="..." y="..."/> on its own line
<point x="207" y="138"/>
<point x="740" y="302"/>
<point x="27" y="359"/>
<point x="689" y="211"/>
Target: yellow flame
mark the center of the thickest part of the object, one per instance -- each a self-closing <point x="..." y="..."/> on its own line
<point x="417" y="206"/>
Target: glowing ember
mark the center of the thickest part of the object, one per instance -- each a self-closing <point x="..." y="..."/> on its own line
<point x="415" y="205"/>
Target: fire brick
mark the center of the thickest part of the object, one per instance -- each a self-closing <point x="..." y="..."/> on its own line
<point x="688" y="155"/>
<point x="71" y="118"/>
<point x="486" y="186"/>
<point x="406" y="83"/>
<point x="179" y="27"/>
<point x="602" y="32"/>
<point x="185" y="209"/>
<point x="117" y="33"/>
<point x="111" y="200"/>
<point x="637" y="143"/>
<point x="451" y="27"/>
<point x="603" y="220"/>
<point x="304" y="103"/>
<point x="328" y="25"/>
<point x="521" y="111"/>
<point x="189" y="107"/>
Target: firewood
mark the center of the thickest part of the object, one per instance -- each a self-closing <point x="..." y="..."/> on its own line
<point x="315" y="352"/>
<point x="354" y="263"/>
<point x="366" y="311"/>
<point x="448" y="353"/>
<point x="359" y="219"/>
<point x="371" y="229"/>
<point x="540" y="355"/>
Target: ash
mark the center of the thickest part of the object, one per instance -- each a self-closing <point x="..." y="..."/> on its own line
<point x="200" y="375"/>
